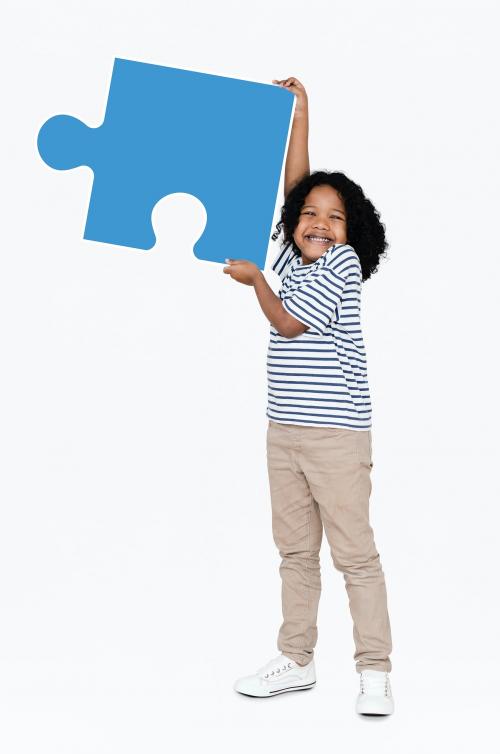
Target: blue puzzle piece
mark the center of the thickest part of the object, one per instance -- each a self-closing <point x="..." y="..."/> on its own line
<point x="168" y="130"/>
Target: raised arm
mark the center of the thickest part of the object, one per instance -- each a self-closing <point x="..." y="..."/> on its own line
<point x="297" y="159"/>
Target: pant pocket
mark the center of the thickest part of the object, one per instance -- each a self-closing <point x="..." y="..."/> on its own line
<point x="364" y="447"/>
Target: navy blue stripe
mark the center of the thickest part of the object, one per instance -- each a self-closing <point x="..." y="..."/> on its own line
<point x="317" y="358"/>
<point x="308" y="413"/>
<point x="297" y="311"/>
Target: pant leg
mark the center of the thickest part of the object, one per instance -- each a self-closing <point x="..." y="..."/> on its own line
<point x="337" y="464"/>
<point x="297" y="532"/>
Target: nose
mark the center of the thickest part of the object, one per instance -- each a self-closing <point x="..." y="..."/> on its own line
<point x="320" y="223"/>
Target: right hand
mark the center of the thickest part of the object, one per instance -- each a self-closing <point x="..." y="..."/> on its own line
<point x="294" y="85"/>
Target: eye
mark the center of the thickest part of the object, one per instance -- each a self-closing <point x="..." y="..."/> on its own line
<point x="310" y="212"/>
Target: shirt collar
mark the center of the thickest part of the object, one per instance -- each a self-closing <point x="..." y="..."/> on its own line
<point x="321" y="261"/>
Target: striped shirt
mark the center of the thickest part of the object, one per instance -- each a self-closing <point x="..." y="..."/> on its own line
<point x="319" y="378"/>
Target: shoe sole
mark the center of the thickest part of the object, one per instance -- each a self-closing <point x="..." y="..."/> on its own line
<point x="279" y="691"/>
<point x="376" y="710"/>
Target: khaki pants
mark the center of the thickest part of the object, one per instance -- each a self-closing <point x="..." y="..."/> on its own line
<point x="320" y="477"/>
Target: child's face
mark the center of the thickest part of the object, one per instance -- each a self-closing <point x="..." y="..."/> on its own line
<point x="323" y="215"/>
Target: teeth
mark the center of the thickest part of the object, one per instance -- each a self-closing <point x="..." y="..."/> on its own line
<point x="317" y="238"/>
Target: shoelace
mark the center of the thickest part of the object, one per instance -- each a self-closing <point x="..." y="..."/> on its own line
<point x="277" y="670"/>
<point x="374" y="682"/>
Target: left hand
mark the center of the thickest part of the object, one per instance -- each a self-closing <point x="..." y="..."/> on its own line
<point x="242" y="271"/>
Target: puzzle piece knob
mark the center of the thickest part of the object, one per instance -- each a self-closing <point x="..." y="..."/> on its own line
<point x="63" y="141"/>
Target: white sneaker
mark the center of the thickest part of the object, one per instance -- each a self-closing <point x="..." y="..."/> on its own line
<point x="279" y="675"/>
<point x="375" y="697"/>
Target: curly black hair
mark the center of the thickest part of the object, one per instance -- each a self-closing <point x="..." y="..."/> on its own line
<point x="365" y="231"/>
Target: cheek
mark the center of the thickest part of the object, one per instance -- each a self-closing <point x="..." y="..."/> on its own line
<point x="299" y="232"/>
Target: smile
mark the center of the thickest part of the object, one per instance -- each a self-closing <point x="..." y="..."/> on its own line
<point x="319" y="239"/>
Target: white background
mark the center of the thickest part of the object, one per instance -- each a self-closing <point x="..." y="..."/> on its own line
<point x="138" y="573"/>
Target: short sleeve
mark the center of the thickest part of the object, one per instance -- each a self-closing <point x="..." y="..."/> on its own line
<point x="316" y="302"/>
<point x="282" y="261"/>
